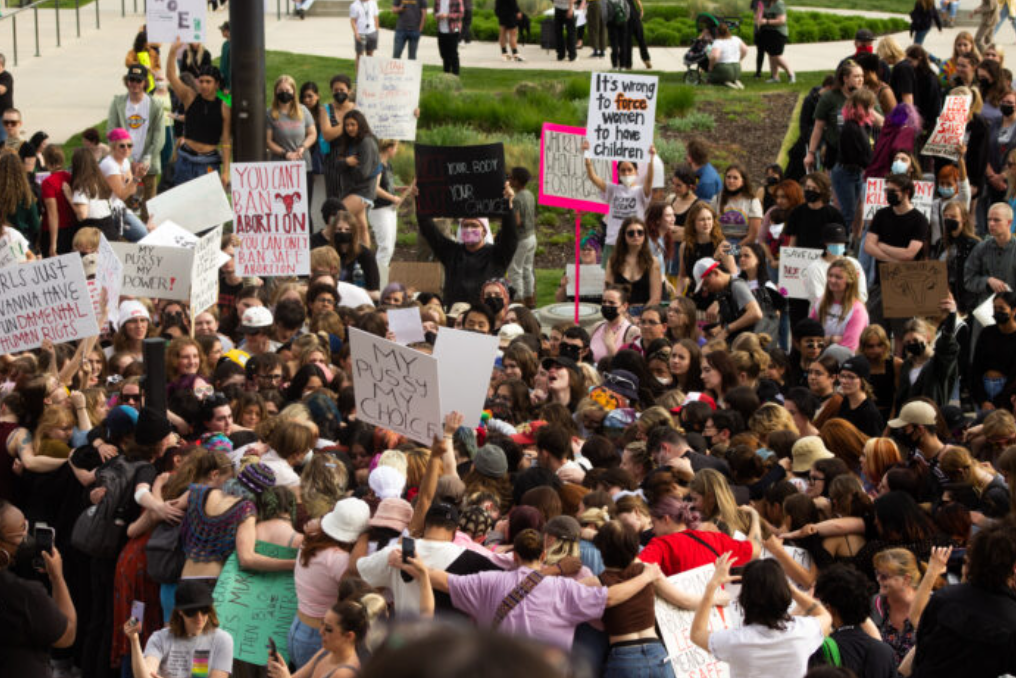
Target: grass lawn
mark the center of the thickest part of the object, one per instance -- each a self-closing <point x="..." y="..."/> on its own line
<point x="547" y="280"/>
<point x="898" y="6"/>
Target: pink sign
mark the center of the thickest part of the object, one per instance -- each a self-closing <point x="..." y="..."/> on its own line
<point x="563" y="179"/>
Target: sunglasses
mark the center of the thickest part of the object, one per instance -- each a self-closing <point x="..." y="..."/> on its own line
<point x="11" y="123"/>
<point x="196" y="611"/>
<point x="130" y="397"/>
<point x="126" y="145"/>
<point x="635" y="234"/>
<point x="815" y="479"/>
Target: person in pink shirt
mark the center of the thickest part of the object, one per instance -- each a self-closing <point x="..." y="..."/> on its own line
<point x="841" y="312"/>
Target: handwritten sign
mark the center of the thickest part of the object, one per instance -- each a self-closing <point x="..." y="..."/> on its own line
<point x="793" y="261"/>
<point x="874" y="197"/>
<point x="460" y="181"/>
<point x="155" y="270"/>
<point x="205" y="272"/>
<point x="254" y="606"/>
<point x="913" y="288"/>
<point x="465" y="362"/>
<point x="196" y="205"/>
<point x="563" y="179"/>
<point x="108" y="280"/>
<point x="592" y="279"/>
<point x="388" y="95"/>
<point x="396" y="387"/>
<point x="950" y="128"/>
<point x="172" y="19"/>
<point x="622" y="116"/>
<point x="270" y="217"/>
<point x="44" y="299"/>
<point x="691" y="661"/>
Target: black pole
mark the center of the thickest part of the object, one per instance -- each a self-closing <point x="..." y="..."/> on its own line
<point x="247" y="57"/>
<point x="154" y="351"/>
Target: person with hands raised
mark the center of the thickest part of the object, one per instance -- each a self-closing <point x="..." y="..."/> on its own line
<point x="772" y="641"/>
<point x="624" y="199"/>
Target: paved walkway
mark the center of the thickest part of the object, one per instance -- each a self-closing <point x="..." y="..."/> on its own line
<point x="68" y="88"/>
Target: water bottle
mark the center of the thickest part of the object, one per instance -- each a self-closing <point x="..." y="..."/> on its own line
<point x="358" y="278"/>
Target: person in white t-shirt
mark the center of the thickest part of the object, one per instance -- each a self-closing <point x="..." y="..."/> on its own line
<point x="117" y="169"/>
<point x="627" y="198"/>
<point x="725" y="57"/>
<point x="771" y="641"/>
<point x="363" y="16"/>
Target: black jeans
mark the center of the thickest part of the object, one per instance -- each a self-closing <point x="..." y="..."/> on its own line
<point x="564" y="33"/>
<point x="448" y="46"/>
<point x="637" y="35"/>
<point x="620" y="45"/>
<point x="98" y="629"/>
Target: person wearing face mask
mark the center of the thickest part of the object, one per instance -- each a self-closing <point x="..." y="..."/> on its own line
<point x="342" y="233"/>
<point x="470" y="262"/>
<point x="953" y="185"/>
<point x="958" y="241"/>
<point x="494" y="295"/>
<point x="829" y="116"/>
<point x="626" y="198"/>
<point x="930" y="364"/>
<point x="616" y="330"/>
<point x="291" y="129"/>
<point x="575" y="345"/>
<point x="33" y="621"/>
<point x="994" y="360"/>
<point x="834" y="238"/>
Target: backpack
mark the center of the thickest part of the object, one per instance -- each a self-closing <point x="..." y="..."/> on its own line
<point x="165" y="557"/>
<point x="101" y="530"/>
<point x="618" y="12"/>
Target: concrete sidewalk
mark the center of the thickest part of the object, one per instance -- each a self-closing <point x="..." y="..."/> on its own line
<point x="69" y="88"/>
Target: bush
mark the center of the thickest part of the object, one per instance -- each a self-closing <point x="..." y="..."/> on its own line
<point x="694" y="121"/>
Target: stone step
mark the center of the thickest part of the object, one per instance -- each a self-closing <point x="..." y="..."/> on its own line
<point x="330" y="8"/>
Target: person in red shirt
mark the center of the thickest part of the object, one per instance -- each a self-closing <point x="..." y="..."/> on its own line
<point x="60" y="219"/>
<point x="678" y="546"/>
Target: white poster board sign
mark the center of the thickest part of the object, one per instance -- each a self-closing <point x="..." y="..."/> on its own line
<point x="689" y="660"/>
<point x="196" y="206"/>
<point x="396" y="387"/>
<point x="109" y="279"/>
<point x="592" y="279"/>
<point x="204" y="291"/>
<point x="13" y="248"/>
<point x="793" y="261"/>
<point x="874" y="197"/>
<point x="157" y="271"/>
<point x="406" y="325"/>
<point x="465" y="361"/>
<point x="45" y="299"/>
<point x="388" y="95"/>
<point x="950" y="128"/>
<point x="270" y="217"/>
<point x="622" y="116"/>
<point x="172" y="19"/>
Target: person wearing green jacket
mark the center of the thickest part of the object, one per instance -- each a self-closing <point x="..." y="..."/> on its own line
<point x="143" y="118"/>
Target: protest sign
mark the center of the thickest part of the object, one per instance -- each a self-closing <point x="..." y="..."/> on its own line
<point x="591" y="279"/>
<point x="422" y="276"/>
<point x="563" y="179"/>
<point x="950" y="128"/>
<point x="196" y="205"/>
<point x="270" y="207"/>
<point x="204" y="291"/>
<point x="874" y="197"/>
<point x="155" y="271"/>
<point x="689" y="660"/>
<point x="793" y="261"/>
<point x="109" y="279"/>
<point x="168" y="20"/>
<point x="44" y="299"/>
<point x="465" y="362"/>
<point x="985" y="312"/>
<point x="254" y="606"/>
<point x="396" y="387"/>
<point x="913" y="288"/>
<point x="406" y="325"/>
<point x="388" y="95"/>
<point x="13" y="248"/>
<point x="622" y="116"/>
<point x="460" y="181"/>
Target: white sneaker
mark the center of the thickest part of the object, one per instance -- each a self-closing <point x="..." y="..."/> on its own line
<point x="793" y="78"/>
<point x="774" y="81"/>
<point x="518" y="57"/>
<point x="731" y="84"/>
<point x="505" y="56"/>
<point x="738" y="84"/>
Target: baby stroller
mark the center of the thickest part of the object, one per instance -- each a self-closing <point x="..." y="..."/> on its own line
<point x="697" y="58"/>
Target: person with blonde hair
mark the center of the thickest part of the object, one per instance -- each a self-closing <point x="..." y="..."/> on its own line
<point x="290" y="440"/>
<point x="771" y="417"/>
<point x="711" y="497"/>
<point x="323" y="482"/>
<point x="841" y="311"/>
<point x="991" y="495"/>
<point x="889" y="51"/>
<point x="898" y="574"/>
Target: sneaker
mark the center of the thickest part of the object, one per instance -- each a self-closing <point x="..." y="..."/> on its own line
<point x="518" y="57"/>
<point x="505" y="56"/>
<point x="793" y="78"/>
<point x="773" y="81"/>
<point x="739" y="84"/>
<point x="731" y="84"/>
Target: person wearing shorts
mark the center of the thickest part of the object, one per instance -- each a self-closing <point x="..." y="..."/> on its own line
<point x="508" y="15"/>
<point x="363" y="16"/>
<point x="773" y="35"/>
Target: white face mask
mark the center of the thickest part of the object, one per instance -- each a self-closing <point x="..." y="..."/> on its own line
<point x="629" y="180"/>
<point x="899" y="167"/>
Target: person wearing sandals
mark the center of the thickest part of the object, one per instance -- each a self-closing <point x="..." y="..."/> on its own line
<point x="508" y="17"/>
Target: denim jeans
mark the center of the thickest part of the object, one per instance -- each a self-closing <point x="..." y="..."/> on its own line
<point x="848" y="184"/>
<point x="919" y="36"/>
<point x="520" y="271"/>
<point x="645" y="660"/>
<point x="133" y="228"/>
<point x="866" y="261"/>
<point x="952" y="8"/>
<point x="401" y="38"/>
<point x="304" y="641"/>
<point x="191" y="166"/>
<point x="1003" y="14"/>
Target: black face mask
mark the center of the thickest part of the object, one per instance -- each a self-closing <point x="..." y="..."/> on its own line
<point x="340" y="97"/>
<point x="984" y="83"/>
<point x="343" y="238"/>
<point x="495" y="304"/>
<point x="902" y="439"/>
<point x="1000" y="318"/>
<point x="951" y="225"/>
<point x="284" y="97"/>
<point x="893" y="199"/>
<point x="569" y="351"/>
<point x="609" y="313"/>
<point x="430" y="337"/>
<point x="772" y="181"/>
<point x="1007" y="109"/>
<point x="812" y="196"/>
<point x="914" y="348"/>
<point x="500" y="409"/>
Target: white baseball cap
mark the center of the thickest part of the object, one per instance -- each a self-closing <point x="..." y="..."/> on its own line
<point x="255" y="319"/>
<point x="703" y="267"/>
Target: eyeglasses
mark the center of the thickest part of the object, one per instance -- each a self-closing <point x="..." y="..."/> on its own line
<point x="815" y="479"/>
<point x="136" y="80"/>
<point x="635" y="234"/>
<point x="196" y="611"/>
<point x="11" y="123"/>
<point x="203" y="392"/>
<point x="883" y="576"/>
<point x="847" y="376"/>
<point x="130" y="397"/>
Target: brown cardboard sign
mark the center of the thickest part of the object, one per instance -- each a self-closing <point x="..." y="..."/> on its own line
<point x="913" y="288"/>
<point x="422" y="276"/>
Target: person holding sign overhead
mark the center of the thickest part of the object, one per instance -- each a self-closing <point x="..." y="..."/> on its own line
<point x="625" y="198"/>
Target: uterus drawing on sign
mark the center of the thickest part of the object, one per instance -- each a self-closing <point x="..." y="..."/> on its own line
<point x="288" y="200"/>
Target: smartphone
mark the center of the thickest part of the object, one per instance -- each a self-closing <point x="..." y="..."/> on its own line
<point x="138" y="612"/>
<point x="273" y="651"/>
<point x="44" y="536"/>
<point x="408" y="551"/>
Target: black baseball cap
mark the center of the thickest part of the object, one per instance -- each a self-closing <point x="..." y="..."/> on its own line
<point x="192" y="594"/>
<point x="833" y="233"/>
<point x="563" y="361"/>
<point x="864" y="35"/>
<point x="442" y="515"/>
<point x="137" y="71"/>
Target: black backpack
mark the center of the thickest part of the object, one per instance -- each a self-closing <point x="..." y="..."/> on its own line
<point x="165" y="557"/>
<point x="101" y="530"/>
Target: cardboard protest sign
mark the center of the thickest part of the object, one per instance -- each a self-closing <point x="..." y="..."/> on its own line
<point x="592" y="279"/>
<point x="254" y="606"/>
<point x="396" y="387"/>
<point x="155" y="271"/>
<point x="460" y="181"/>
<point x="793" y="261"/>
<point x="196" y="205"/>
<point x="388" y="95"/>
<point x="44" y="299"/>
<point x="622" y="116"/>
<point x="563" y="179"/>
<point x="204" y="291"/>
<point x="270" y="207"/>
<point x="406" y="325"/>
<point x="465" y="363"/>
<point x="874" y="197"/>
<point x="109" y="279"/>
<point x="689" y="660"/>
<point x="913" y="288"/>
<point x="422" y="276"/>
<point x="950" y="128"/>
<point x="168" y="20"/>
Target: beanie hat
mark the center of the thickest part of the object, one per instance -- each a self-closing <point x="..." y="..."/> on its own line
<point x="257" y="477"/>
<point x="490" y="461"/>
<point x="386" y="482"/>
<point x="152" y="427"/>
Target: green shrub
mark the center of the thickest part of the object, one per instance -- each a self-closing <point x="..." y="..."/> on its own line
<point x="440" y="82"/>
<point x="694" y="121"/>
<point x="671" y="151"/>
<point x="674" y="101"/>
